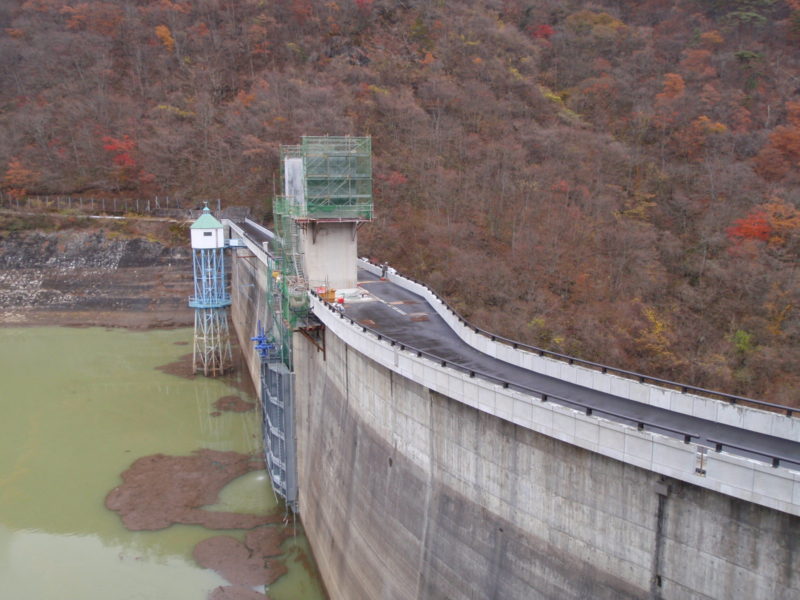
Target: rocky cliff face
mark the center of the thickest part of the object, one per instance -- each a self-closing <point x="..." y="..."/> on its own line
<point x="92" y="277"/>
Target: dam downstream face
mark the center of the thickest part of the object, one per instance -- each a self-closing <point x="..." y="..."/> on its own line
<point x="79" y="406"/>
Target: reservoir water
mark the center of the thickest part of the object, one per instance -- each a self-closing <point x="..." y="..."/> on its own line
<point x="78" y="407"/>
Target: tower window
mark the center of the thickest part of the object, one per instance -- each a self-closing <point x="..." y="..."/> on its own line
<point x="208" y="233"/>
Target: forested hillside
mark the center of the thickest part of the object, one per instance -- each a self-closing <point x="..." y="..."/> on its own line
<point x="616" y="179"/>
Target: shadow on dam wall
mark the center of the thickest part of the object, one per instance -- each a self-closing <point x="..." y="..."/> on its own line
<point x="248" y="309"/>
<point x="406" y="493"/>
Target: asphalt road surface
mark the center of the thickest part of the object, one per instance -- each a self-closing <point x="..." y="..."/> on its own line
<point x="407" y="318"/>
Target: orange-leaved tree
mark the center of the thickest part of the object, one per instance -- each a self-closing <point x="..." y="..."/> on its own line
<point x="18" y="178"/>
<point x="165" y="35"/>
<point x="781" y="154"/>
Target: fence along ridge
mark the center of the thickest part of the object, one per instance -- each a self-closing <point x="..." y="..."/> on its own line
<point x="104" y="204"/>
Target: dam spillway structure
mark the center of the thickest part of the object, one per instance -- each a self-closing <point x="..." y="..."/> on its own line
<point x="327" y="195"/>
<point x="212" y="345"/>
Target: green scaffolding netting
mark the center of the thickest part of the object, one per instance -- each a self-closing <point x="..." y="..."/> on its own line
<point x="323" y="179"/>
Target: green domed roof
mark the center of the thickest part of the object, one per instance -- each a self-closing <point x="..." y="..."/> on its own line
<point x="206" y="221"/>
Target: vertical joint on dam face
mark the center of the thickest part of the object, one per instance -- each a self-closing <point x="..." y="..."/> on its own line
<point x="661" y="489"/>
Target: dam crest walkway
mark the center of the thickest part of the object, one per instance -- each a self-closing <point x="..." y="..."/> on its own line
<point x="408" y="318"/>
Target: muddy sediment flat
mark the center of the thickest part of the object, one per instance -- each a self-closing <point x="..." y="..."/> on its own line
<point x="159" y="490"/>
<point x="254" y="562"/>
<point x="105" y="418"/>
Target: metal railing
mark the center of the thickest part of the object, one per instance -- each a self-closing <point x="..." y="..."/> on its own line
<point x="543" y="396"/>
<point x="775" y="458"/>
<point x="641" y="378"/>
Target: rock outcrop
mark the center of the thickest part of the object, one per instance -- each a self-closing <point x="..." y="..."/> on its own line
<point x="92" y="277"/>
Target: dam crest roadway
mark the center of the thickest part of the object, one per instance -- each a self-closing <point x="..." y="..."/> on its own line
<point x="407" y="318"/>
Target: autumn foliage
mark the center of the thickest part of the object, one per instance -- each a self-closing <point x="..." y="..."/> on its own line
<point x="165" y="36"/>
<point x="755" y="226"/>
<point x="780" y="157"/>
<point x="618" y="180"/>
<point x="776" y="224"/>
<point x="121" y="150"/>
<point x="18" y="179"/>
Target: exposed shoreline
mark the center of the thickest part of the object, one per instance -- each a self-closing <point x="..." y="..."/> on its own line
<point x="80" y="318"/>
<point x="94" y="277"/>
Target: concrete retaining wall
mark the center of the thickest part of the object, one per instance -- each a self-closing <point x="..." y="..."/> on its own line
<point x="745" y="417"/>
<point x="248" y="306"/>
<point x="409" y="493"/>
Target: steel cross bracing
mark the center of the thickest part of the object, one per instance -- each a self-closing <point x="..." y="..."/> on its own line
<point x="212" y="347"/>
<point x="210" y="289"/>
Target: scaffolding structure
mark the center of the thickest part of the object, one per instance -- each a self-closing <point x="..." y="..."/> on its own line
<point x="324" y="179"/>
<point x="333" y="180"/>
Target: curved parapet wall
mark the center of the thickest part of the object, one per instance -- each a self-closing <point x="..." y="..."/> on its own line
<point x="418" y="481"/>
<point x="678" y="400"/>
<point x="744" y="478"/>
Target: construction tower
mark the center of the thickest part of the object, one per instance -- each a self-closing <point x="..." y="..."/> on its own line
<point x="327" y="196"/>
<point x="212" y="344"/>
<point x="327" y="187"/>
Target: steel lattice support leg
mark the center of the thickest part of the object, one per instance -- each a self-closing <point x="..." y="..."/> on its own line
<point x="212" y="343"/>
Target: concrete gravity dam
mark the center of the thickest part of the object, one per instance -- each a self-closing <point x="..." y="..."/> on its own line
<point x="430" y="459"/>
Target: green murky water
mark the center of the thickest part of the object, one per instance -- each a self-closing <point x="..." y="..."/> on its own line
<point x="78" y="406"/>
